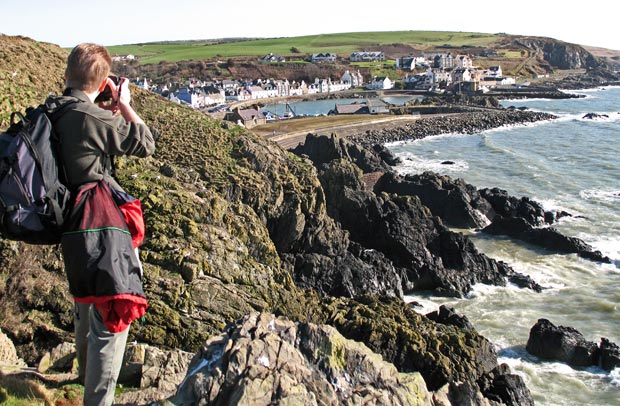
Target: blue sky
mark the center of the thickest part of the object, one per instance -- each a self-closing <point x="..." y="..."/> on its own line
<point x="113" y="22"/>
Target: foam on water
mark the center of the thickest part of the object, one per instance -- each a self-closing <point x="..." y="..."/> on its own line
<point x="615" y="377"/>
<point x="555" y="205"/>
<point x="603" y="195"/>
<point x="507" y="102"/>
<point x="430" y="138"/>
<point x="480" y="289"/>
<point x="609" y="246"/>
<point x="510" y="127"/>
<point x="423" y="306"/>
<point x="414" y="164"/>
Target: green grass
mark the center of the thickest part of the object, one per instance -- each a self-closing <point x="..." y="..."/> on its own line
<point x="511" y="54"/>
<point x="342" y="44"/>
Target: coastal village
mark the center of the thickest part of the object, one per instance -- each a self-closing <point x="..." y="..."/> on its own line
<point x="433" y="72"/>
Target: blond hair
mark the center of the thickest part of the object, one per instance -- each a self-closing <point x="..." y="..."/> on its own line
<point x="87" y="66"/>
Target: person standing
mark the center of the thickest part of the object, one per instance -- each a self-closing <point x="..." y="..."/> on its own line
<point x="90" y="134"/>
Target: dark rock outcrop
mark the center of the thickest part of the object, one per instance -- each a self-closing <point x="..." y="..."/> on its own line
<point x="461" y="205"/>
<point x="594" y="116"/>
<point x="457" y="203"/>
<point x="547" y="237"/>
<point x="356" y="271"/>
<point x="322" y="150"/>
<point x="509" y="206"/>
<point x="505" y="388"/>
<point x="426" y="254"/>
<point x="561" y="343"/>
<point x="602" y="75"/>
<point x="610" y="355"/>
<point x="447" y="315"/>
<point x="568" y="345"/>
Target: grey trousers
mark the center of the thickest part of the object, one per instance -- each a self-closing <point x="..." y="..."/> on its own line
<point x="100" y="355"/>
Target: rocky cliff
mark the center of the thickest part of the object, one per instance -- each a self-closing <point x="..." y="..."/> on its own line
<point x="558" y="54"/>
<point x="236" y="225"/>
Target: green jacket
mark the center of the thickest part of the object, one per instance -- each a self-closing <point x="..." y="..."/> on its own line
<point x="89" y="136"/>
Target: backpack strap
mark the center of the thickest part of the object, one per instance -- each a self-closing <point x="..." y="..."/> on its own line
<point x="54" y="111"/>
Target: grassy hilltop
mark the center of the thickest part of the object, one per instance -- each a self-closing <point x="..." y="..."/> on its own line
<point x="233" y="58"/>
<point x="343" y="43"/>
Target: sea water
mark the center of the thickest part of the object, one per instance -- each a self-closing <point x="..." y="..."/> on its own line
<point x="571" y="164"/>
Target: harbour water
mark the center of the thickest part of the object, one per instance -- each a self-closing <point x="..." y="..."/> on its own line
<point x="322" y="107"/>
<point x="572" y="164"/>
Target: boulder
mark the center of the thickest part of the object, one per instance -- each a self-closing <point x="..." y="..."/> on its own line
<point x="594" y="116"/>
<point x="447" y="315"/>
<point x="145" y="366"/>
<point x="61" y="359"/>
<point x="8" y="354"/>
<point x="322" y="149"/>
<point x="505" y="388"/>
<point x="386" y="155"/>
<point x="265" y="360"/>
<point x="610" y="355"/>
<point x="510" y="206"/>
<point x="560" y="343"/>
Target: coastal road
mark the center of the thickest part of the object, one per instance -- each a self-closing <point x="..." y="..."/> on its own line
<point x="292" y="139"/>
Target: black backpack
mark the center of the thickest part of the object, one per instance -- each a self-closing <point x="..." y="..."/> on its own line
<point x="33" y="200"/>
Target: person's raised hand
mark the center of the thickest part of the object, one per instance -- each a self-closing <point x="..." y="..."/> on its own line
<point x="123" y="93"/>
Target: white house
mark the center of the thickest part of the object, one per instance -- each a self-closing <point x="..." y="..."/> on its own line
<point x="144" y="84"/>
<point x="354" y="79"/>
<point x="229" y="84"/>
<point x="494" y="72"/>
<point x="380" y="83"/>
<point x="257" y="92"/>
<point x="411" y="62"/>
<point x="272" y="89"/>
<point x="507" y="81"/>
<point x="187" y="96"/>
<point x="298" y="89"/>
<point x="442" y="76"/>
<point x="213" y="96"/>
<point x="338" y="86"/>
<point x="463" y="75"/>
<point x="414" y="80"/>
<point x="463" y="61"/>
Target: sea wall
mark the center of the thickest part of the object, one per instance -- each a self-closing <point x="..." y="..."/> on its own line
<point x="467" y="123"/>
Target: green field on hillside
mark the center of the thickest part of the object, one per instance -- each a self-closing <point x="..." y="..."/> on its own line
<point x="344" y="43"/>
